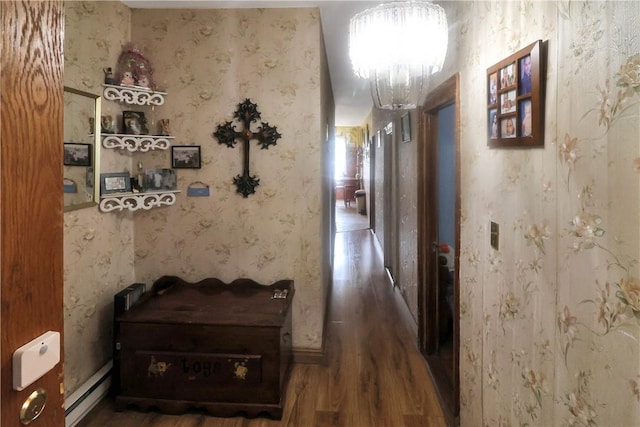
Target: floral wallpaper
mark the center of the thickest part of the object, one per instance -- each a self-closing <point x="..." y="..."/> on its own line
<point x="208" y="61"/>
<point x="550" y="323"/>
<point x="79" y="110"/>
<point x="98" y="248"/>
<point x="273" y="57"/>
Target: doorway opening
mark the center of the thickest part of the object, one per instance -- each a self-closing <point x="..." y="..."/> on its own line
<point x="439" y="241"/>
<point x="350" y="213"/>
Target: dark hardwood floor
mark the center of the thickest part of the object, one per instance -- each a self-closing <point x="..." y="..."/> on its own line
<point x="375" y="376"/>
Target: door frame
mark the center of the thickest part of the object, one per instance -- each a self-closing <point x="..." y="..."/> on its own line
<point x="371" y="199"/>
<point x="448" y="93"/>
<point x="390" y="195"/>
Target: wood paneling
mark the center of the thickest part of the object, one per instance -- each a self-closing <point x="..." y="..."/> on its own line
<point x="31" y="194"/>
<point x="375" y="374"/>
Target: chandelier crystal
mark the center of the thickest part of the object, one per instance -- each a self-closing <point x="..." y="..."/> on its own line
<point x="397" y="46"/>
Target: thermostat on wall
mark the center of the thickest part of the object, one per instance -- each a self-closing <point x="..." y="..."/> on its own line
<point x="35" y="358"/>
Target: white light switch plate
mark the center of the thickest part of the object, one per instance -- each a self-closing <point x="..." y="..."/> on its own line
<point x="35" y="358"/>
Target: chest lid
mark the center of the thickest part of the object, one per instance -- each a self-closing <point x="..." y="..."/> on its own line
<point x="242" y="302"/>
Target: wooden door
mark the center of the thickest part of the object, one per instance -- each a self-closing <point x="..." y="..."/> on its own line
<point x="436" y="312"/>
<point x="31" y="108"/>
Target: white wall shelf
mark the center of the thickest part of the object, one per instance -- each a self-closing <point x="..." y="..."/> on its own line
<point x="136" y="201"/>
<point x="133" y="95"/>
<point x="133" y="143"/>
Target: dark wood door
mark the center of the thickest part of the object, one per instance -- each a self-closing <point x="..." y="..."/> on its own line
<point x="438" y="286"/>
<point x="31" y="108"/>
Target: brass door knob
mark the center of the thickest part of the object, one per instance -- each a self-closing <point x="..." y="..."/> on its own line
<point x="33" y="406"/>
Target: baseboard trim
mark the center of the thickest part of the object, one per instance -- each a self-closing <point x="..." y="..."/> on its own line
<point x="390" y="279"/>
<point x="87" y="396"/>
<point x="317" y="356"/>
<point x="310" y="356"/>
<point x="405" y="313"/>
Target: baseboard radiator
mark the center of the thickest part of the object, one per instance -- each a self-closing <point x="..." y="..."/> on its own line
<point x="87" y="396"/>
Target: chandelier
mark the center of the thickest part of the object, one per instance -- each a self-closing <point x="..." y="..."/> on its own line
<point x="397" y="46"/>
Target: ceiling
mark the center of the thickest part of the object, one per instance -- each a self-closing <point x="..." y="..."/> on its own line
<point x="351" y="94"/>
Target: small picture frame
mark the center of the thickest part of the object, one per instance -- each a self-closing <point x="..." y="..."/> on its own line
<point x="493" y="88"/>
<point x="112" y="183"/>
<point x="160" y="179"/>
<point x="405" y="127"/>
<point x="493" y="123"/>
<point x="185" y="157"/>
<point x="508" y="127"/>
<point x="134" y="123"/>
<point x="508" y="102"/>
<point x="525" y="118"/>
<point x="77" y="154"/>
<point x="515" y="114"/>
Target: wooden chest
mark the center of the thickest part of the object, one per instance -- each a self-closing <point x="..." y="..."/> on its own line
<point x="222" y="347"/>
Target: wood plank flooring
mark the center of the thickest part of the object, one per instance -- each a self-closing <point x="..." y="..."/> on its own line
<point x="375" y="376"/>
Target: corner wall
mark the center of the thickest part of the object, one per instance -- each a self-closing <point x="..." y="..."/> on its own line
<point x="209" y="61"/>
<point x="276" y="58"/>
<point x="98" y="248"/>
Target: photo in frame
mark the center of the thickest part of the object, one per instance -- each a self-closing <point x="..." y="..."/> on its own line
<point x="134" y="123"/>
<point x="185" y="157"/>
<point x="77" y="154"/>
<point x="89" y="178"/>
<point x="516" y="97"/>
<point x="112" y="183"/>
<point x="405" y="127"/>
<point x="160" y="179"/>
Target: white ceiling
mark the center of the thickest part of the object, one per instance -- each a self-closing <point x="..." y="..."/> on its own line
<point x="351" y="94"/>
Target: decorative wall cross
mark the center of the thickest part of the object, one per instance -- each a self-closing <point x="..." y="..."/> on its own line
<point x="266" y="135"/>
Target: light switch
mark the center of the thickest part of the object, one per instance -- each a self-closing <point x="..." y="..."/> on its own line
<point x="35" y="358"/>
<point x="495" y="236"/>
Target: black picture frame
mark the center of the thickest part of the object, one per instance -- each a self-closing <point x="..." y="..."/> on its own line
<point x="516" y="97"/>
<point x="114" y="183"/>
<point x="134" y="123"/>
<point x="186" y="157"/>
<point x="77" y="154"/>
<point x="405" y="127"/>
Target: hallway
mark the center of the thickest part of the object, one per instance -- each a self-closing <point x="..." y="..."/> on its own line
<point x="375" y="375"/>
<point x="348" y="218"/>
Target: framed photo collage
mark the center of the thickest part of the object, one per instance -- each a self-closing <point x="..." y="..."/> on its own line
<point x="515" y="99"/>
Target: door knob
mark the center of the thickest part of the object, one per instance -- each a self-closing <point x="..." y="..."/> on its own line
<point x="33" y="406"/>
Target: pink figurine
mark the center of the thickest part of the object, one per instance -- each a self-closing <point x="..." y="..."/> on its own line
<point x="143" y="81"/>
<point x="127" y="79"/>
